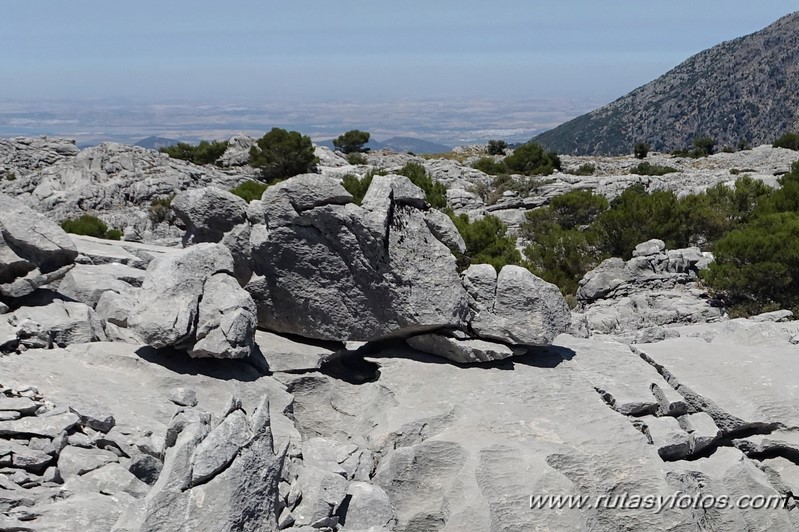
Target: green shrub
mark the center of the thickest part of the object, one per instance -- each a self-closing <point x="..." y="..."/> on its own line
<point x="704" y="146"/>
<point x="487" y="242"/>
<point x="352" y="141"/>
<point x="646" y="168"/>
<point x="113" y="234"/>
<point x="249" y="190"/>
<point x="636" y="216"/>
<point x="435" y="192"/>
<point x="577" y="208"/>
<point x="281" y="154"/>
<point x="89" y="225"/>
<point x="562" y="256"/>
<point x="757" y="266"/>
<point x="497" y="147"/>
<point x="206" y="152"/>
<point x="641" y="150"/>
<point x="356" y="158"/>
<point x="788" y="140"/>
<point x="489" y="166"/>
<point x="11" y="176"/>
<point x="531" y="159"/>
<point x="584" y="169"/>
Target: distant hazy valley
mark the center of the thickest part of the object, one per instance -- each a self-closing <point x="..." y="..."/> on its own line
<point x="446" y="123"/>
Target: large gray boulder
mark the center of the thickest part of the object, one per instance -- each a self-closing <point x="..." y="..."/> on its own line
<point x="30" y="243"/>
<point x="190" y="300"/>
<point x="515" y="306"/>
<point x="333" y="270"/>
<point x="208" y="213"/>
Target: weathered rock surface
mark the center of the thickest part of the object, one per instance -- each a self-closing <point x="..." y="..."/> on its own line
<point x="23" y="155"/>
<point x="335" y="271"/>
<point x="33" y="250"/>
<point x="637" y="298"/>
<point x="515" y="306"/>
<point x="450" y="460"/>
<point x="208" y="213"/>
<point x="191" y="300"/>
<point x="215" y="478"/>
<point x="116" y="182"/>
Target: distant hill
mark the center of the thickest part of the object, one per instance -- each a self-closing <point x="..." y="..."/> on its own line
<point x="401" y="145"/>
<point x="745" y="89"/>
<point x="154" y="143"/>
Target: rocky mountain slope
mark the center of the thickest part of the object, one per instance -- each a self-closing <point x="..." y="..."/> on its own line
<point x="306" y="363"/>
<point x="746" y="90"/>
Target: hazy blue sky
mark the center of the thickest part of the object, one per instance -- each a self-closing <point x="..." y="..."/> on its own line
<point x="357" y="49"/>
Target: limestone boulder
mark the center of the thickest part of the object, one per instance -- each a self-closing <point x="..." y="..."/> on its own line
<point x="30" y="244"/>
<point x="515" y="306"/>
<point x="208" y="213"/>
<point x="333" y="270"/>
<point x="191" y="300"/>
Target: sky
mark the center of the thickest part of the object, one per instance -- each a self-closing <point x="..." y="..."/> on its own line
<point x="357" y="50"/>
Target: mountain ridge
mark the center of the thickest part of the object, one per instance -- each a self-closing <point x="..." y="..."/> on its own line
<point x="742" y="90"/>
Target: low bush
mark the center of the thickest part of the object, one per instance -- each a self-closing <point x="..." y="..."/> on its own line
<point x="281" y="154"/>
<point x="788" y="140"/>
<point x="206" y="152"/>
<point x="641" y="150"/>
<point x="249" y="190"/>
<point x="356" y="158"/>
<point x="583" y="170"/>
<point x="88" y="225"/>
<point x="497" y="147"/>
<point x="531" y="159"/>
<point x="646" y="168"/>
<point x="490" y="166"/>
<point x="487" y="242"/>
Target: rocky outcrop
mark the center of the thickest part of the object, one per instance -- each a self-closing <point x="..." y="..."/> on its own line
<point x="23" y="155"/>
<point x="29" y="244"/>
<point x="656" y="288"/>
<point x="191" y="300"/>
<point x="216" y="476"/>
<point x="515" y="306"/>
<point x="332" y="270"/>
<point x="116" y="183"/>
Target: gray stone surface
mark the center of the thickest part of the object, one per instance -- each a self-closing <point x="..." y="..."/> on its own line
<point x="57" y="324"/>
<point x="226" y="320"/>
<point x="284" y="354"/>
<point x="518" y="308"/>
<point x="46" y="426"/>
<point x="463" y="351"/>
<point x="332" y="270"/>
<point x="75" y="461"/>
<point x="241" y="496"/>
<point x="172" y="308"/>
<point x="208" y="213"/>
<point x="32" y="237"/>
